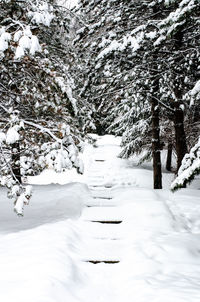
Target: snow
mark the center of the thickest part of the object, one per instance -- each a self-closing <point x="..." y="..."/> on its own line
<point x="17" y="35"/>
<point x="35" y="46"/>
<point x="189" y="167"/>
<point x="72" y="3"/>
<point x="27" y="42"/>
<point x="174" y="20"/>
<point x="44" y="16"/>
<point x="4" y="39"/>
<point x="19" y="52"/>
<point x="43" y="256"/>
<point x="151" y="35"/>
<point x="196" y="89"/>
<point x="12" y="135"/>
<point x="121" y="45"/>
<point x="194" y="94"/>
<point x="65" y="87"/>
<point x="2" y="137"/>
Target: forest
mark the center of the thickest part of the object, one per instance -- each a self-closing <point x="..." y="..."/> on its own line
<point x="99" y="150"/>
<point x="129" y="68"/>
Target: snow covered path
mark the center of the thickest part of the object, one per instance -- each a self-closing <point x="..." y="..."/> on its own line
<point x="132" y="247"/>
<point x="118" y="241"/>
<point x="102" y="246"/>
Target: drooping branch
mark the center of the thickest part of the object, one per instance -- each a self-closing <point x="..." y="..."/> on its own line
<point x="43" y="129"/>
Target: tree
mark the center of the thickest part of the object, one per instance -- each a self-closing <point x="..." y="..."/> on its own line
<point x="190" y="166"/>
<point x="39" y="126"/>
<point x="131" y="46"/>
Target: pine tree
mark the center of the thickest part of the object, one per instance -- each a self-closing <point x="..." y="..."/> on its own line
<point x="139" y="52"/>
<point x="190" y="166"/>
<point x="39" y="126"/>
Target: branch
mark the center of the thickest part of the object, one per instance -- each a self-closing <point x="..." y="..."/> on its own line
<point x="10" y="168"/>
<point x="43" y="130"/>
<point x="4" y="108"/>
<point x="163" y="104"/>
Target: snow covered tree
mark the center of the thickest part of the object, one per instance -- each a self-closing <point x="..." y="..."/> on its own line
<point x="177" y="37"/>
<point x="118" y="68"/>
<point x="190" y="166"/>
<point x="104" y="73"/>
<point x="140" y="52"/>
<point x="39" y="126"/>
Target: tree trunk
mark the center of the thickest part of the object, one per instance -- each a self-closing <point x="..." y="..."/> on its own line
<point x="16" y="161"/>
<point x="169" y="156"/>
<point x="157" y="173"/>
<point x="181" y="146"/>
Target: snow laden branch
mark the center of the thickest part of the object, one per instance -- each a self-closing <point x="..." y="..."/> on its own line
<point x="37" y="102"/>
<point x="18" y="34"/>
<point x="10" y="179"/>
<point x="23" y="155"/>
<point x="43" y="129"/>
<point x="189" y="169"/>
<point x="193" y="95"/>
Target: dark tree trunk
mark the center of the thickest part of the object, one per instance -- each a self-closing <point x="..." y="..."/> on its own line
<point x="157" y="173"/>
<point x="181" y="146"/>
<point x="16" y="161"/>
<point x="169" y="156"/>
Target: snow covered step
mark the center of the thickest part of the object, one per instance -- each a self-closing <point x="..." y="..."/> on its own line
<point x="103" y="231"/>
<point x="98" y="202"/>
<point x="100" y="160"/>
<point x="101" y="194"/>
<point x="92" y="205"/>
<point x="96" y="186"/>
<point x="104" y="193"/>
<point x="102" y="214"/>
<point x="96" y="182"/>
<point x="108" y="221"/>
<point x="102" y="197"/>
<point x="103" y="261"/>
<point x="99" y="186"/>
<point x="101" y="250"/>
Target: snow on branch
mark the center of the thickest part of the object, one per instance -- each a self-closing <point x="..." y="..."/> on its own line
<point x="175" y="20"/>
<point x="194" y="94"/>
<point x="190" y="167"/>
<point x="114" y="45"/>
<point x="66" y="87"/>
<point x="43" y="129"/>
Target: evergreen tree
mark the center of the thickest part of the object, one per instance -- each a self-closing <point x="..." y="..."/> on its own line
<point x="190" y="166"/>
<point x="39" y="123"/>
<point x="138" y="52"/>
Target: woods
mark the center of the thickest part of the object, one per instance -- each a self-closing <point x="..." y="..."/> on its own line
<point x="133" y="46"/>
<point x="126" y="68"/>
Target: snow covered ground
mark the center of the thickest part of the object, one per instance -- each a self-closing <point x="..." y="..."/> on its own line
<point x="147" y="248"/>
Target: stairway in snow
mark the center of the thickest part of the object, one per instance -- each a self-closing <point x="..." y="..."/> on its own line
<point x="102" y="214"/>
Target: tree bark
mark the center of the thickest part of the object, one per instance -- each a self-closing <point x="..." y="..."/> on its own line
<point x="157" y="173"/>
<point x="181" y="146"/>
<point x="16" y="161"/>
<point x="169" y="156"/>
